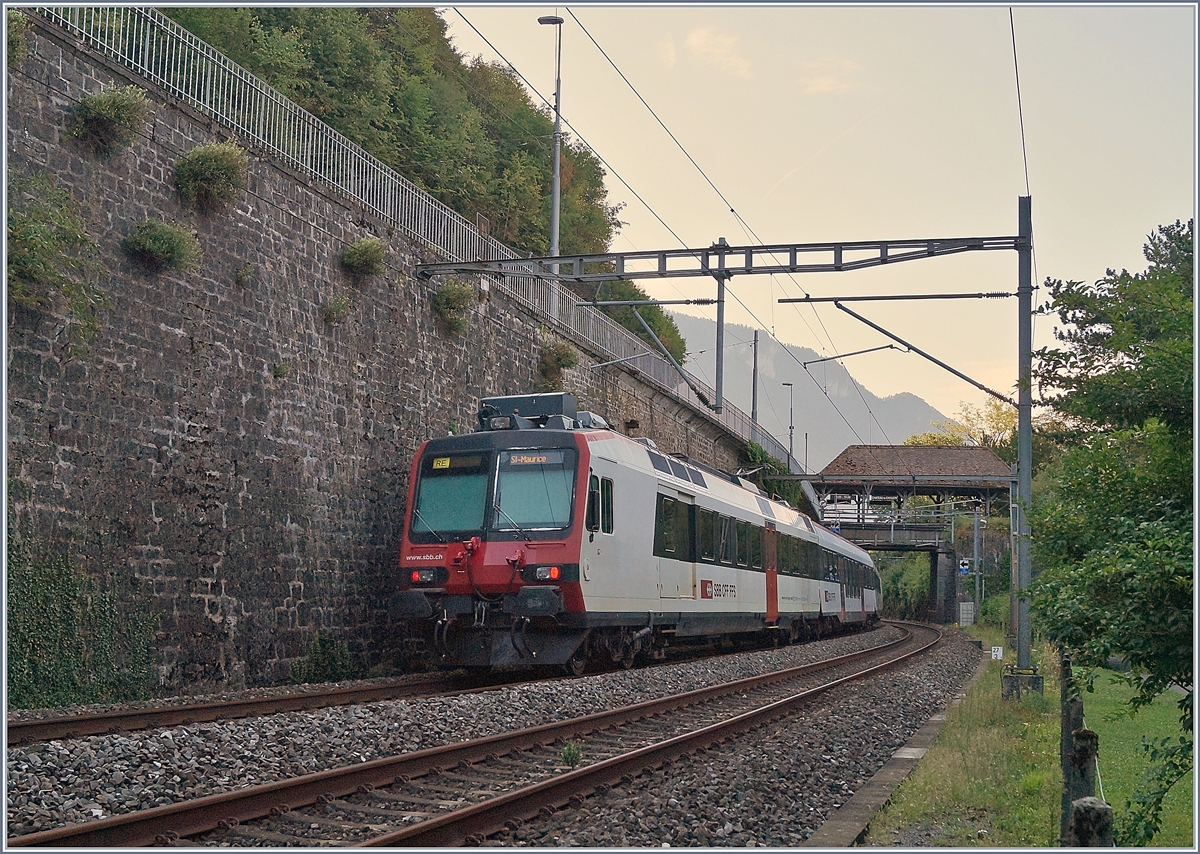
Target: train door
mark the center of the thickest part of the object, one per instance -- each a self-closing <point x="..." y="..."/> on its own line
<point x="771" y="570"/>
<point x="673" y="545"/>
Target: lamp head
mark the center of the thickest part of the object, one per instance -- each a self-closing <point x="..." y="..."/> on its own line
<point x="550" y="19"/>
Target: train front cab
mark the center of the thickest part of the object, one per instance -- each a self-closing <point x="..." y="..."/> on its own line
<point x="490" y="553"/>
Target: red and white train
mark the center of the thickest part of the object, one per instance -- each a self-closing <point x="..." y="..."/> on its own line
<point x="545" y="538"/>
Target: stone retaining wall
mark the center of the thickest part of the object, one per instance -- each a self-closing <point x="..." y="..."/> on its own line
<point x="245" y="459"/>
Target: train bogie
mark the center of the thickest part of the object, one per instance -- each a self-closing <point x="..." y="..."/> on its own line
<point x="537" y="540"/>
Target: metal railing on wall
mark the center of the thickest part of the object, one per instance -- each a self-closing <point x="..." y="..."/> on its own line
<point x="168" y="56"/>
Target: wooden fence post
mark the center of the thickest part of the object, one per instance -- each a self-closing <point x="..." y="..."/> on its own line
<point x="1072" y="720"/>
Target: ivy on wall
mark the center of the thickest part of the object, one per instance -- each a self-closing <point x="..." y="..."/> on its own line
<point x="70" y="639"/>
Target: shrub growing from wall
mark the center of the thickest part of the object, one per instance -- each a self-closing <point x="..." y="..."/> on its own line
<point x="450" y="304"/>
<point x="158" y="245"/>
<point x="111" y="119"/>
<point x="556" y="357"/>
<point x="365" y="257"/>
<point x="49" y="254"/>
<point x="210" y="176"/>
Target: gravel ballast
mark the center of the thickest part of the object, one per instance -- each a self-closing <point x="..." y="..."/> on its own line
<point x="76" y="780"/>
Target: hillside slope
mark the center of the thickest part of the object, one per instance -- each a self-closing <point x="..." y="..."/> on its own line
<point x="819" y="393"/>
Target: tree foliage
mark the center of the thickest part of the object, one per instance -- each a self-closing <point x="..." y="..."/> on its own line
<point x="1113" y="520"/>
<point x="990" y="426"/>
<point x="463" y="129"/>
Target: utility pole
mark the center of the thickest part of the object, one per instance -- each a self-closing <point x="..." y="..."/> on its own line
<point x="976" y="566"/>
<point x="720" y="275"/>
<point x="754" y="383"/>
<point x="1024" y="425"/>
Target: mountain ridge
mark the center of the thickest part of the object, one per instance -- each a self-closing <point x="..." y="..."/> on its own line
<point x="829" y="408"/>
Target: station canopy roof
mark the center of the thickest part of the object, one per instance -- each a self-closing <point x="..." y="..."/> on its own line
<point x="921" y="468"/>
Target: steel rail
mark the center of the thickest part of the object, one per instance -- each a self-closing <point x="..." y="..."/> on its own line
<point x="126" y="720"/>
<point x="190" y="818"/>
<point x="475" y="822"/>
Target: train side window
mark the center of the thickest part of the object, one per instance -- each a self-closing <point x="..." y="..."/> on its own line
<point x="664" y="527"/>
<point x="743" y="535"/>
<point x="686" y="536"/>
<point x="756" y="547"/>
<point x="727" y="540"/>
<point x="672" y="529"/>
<point x="592" y="514"/>
<point x="811" y="560"/>
<point x="606" y="505"/>
<point x="706" y="521"/>
<point x="787" y="554"/>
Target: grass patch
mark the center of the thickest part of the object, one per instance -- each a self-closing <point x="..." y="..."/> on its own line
<point x="109" y="120"/>
<point x="1122" y="761"/>
<point x="992" y="778"/>
<point x="210" y="176"/>
<point x="328" y="660"/>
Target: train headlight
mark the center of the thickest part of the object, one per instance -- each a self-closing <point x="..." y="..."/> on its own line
<point x="548" y="573"/>
<point x="424" y="576"/>
<point x="500" y="422"/>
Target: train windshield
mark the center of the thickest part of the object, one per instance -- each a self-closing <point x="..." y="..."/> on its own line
<point x="535" y="489"/>
<point x="451" y="497"/>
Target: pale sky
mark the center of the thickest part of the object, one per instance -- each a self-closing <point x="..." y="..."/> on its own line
<point x="858" y="123"/>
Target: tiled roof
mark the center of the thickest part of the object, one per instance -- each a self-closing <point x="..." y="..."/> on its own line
<point x="906" y="460"/>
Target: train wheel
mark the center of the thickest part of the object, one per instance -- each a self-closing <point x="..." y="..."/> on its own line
<point x="577" y="664"/>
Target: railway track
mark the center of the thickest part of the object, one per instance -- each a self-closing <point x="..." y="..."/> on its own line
<point x="22" y="731"/>
<point x="463" y="792"/>
<point x="29" y="731"/>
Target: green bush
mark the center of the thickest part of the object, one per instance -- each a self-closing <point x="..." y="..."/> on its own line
<point x="336" y="308"/>
<point x="328" y="661"/>
<point x="18" y="47"/>
<point x="48" y="254"/>
<point x="111" y="119"/>
<point x="905" y="586"/>
<point x="365" y="257"/>
<point x="994" y="611"/>
<point x="450" y="304"/>
<point x="210" y="176"/>
<point x="158" y="245"/>
<point x="556" y="357"/>
<point x="68" y="641"/>
<point x="245" y="275"/>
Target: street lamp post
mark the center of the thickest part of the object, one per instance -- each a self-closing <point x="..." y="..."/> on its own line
<point x="791" y="425"/>
<point x="555" y="21"/>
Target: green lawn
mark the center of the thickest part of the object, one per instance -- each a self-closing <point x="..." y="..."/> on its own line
<point x="1121" y="760"/>
<point x="993" y="779"/>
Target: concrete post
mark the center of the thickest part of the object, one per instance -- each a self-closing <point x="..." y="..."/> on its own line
<point x="1091" y="824"/>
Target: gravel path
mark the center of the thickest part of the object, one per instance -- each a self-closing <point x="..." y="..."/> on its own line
<point x="70" y="781"/>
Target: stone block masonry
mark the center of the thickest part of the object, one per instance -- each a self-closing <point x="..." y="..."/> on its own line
<point x="242" y="459"/>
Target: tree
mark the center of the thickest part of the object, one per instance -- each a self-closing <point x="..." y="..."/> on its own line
<point x="465" y="131"/>
<point x="1112" y="524"/>
<point x="990" y="426"/>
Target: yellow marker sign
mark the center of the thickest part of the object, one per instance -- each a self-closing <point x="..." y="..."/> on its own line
<point x="441" y="462"/>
